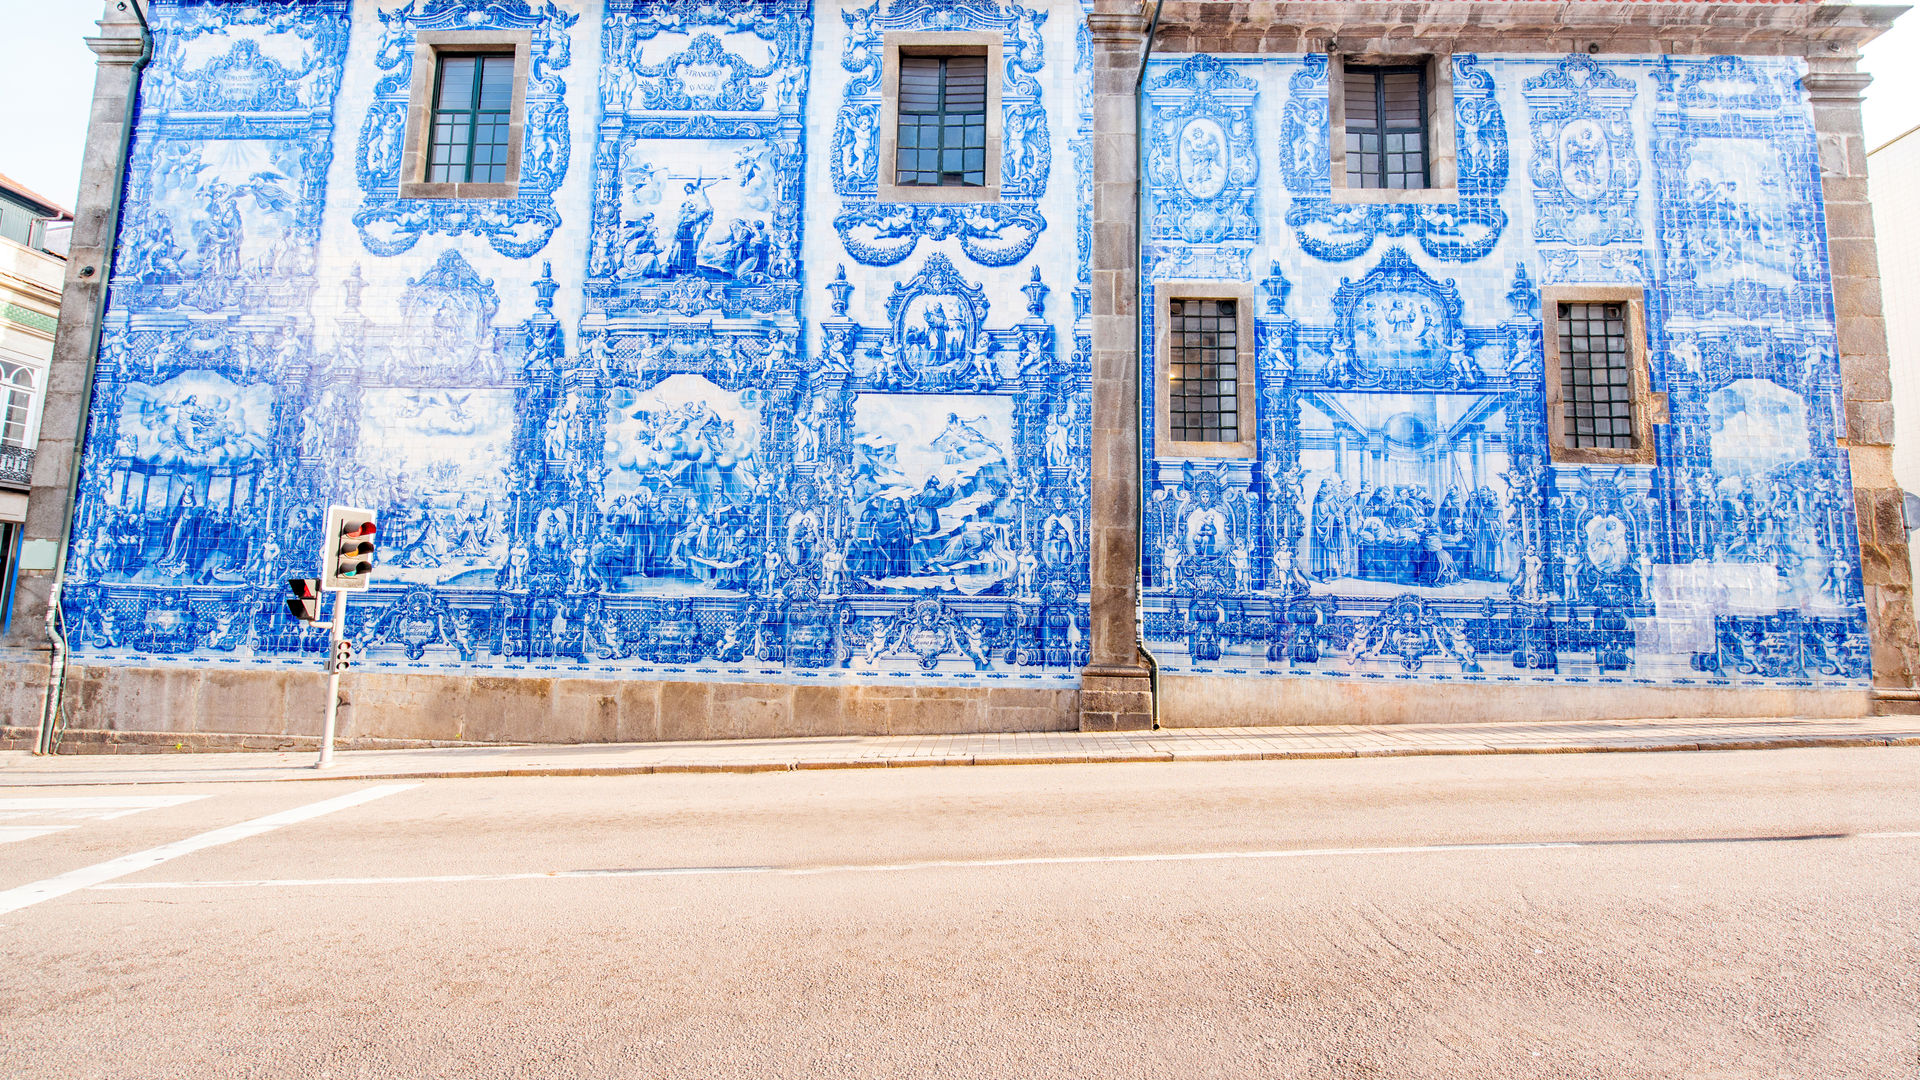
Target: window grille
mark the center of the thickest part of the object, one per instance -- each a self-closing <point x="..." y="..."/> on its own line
<point x="1203" y="380"/>
<point x="943" y="121"/>
<point x="1596" y="386"/>
<point x="1386" y="127"/>
<point x="472" y="112"/>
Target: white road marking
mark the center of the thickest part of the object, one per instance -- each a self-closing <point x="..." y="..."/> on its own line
<point x="90" y="876"/>
<point x="11" y="833"/>
<point x="843" y="868"/>
<point x="89" y="807"/>
<point x="964" y="864"/>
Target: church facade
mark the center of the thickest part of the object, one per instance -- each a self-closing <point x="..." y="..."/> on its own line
<point x="755" y="367"/>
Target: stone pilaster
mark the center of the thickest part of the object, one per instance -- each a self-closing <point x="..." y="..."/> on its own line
<point x="1116" y="691"/>
<point x="119" y="47"/>
<point x="1834" y="83"/>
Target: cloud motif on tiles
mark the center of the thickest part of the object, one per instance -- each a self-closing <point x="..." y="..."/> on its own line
<point x="196" y="420"/>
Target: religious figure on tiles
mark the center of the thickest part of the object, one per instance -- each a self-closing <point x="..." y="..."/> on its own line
<point x="640" y="254"/>
<point x="153" y="253"/>
<point x="1060" y="436"/>
<point x="696" y="214"/>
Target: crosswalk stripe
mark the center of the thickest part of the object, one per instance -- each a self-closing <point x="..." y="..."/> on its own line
<point x="12" y="833"/>
<point x="73" y="881"/>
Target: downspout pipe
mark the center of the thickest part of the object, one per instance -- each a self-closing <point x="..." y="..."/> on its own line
<point x="50" y="714"/>
<point x="1139" y="301"/>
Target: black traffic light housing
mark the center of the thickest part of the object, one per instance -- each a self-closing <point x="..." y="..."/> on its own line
<point x="304" y="601"/>
<point x="347" y="561"/>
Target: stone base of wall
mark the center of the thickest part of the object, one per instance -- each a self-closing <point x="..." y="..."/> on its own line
<point x="1896" y="702"/>
<point x="1217" y="701"/>
<point x="422" y="709"/>
<point x="97" y="741"/>
<point x="123" y="709"/>
<point x="1119" y="700"/>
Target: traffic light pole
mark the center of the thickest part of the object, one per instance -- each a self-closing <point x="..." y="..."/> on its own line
<point x="333" y="677"/>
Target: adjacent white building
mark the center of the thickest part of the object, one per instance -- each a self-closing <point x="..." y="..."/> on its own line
<point x="1894" y="181"/>
<point x="34" y="232"/>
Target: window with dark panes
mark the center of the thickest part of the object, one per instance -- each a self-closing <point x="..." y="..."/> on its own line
<point x="943" y="121"/>
<point x="1596" y="387"/>
<point x="472" y="112"/>
<point x="1386" y="127"/>
<point x="1203" y="374"/>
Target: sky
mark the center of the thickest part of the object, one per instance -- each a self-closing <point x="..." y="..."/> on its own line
<point x="47" y="82"/>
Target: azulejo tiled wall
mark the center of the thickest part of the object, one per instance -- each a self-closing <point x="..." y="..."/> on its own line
<point x="695" y="405"/>
<point x="1403" y="518"/>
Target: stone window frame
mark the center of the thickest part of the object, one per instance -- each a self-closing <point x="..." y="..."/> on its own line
<point x="1164" y="293"/>
<point x="938" y="43"/>
<point x="1649" y="408"/>
<point x="428" y="47"/>
<point x="1443" y="174"/>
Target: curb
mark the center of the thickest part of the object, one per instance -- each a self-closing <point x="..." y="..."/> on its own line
<point x="1785" y="742"/>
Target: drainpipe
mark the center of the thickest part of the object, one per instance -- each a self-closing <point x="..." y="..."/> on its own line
<point x="1139" y="301"/>
<point x="51" y="716"/>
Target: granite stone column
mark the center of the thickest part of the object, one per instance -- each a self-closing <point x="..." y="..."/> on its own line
<point x="1834" y="83"/>
<point x="119" y="47"/>
<point x="1116" y="690"/>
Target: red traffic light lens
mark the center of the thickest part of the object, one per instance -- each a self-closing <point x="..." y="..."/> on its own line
<point x="366" y="529"/>
<point x="304" y="588"/>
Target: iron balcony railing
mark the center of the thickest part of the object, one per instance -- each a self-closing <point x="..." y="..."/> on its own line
<point x="16" y="466"/>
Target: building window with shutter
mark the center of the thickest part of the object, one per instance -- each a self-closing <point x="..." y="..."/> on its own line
<point x="466" y="115"/>
<point x="943" y="121"/>
<point x="1386" y="127"/>
<point x="472" y="113"/>
<point x="1600" y="406"/>
<point x="940" y="118"/>
<point x="1391" y="131"/>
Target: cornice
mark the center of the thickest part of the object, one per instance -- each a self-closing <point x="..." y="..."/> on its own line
<point x="1512" y="26"/>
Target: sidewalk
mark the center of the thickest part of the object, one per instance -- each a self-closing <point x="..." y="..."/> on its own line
<point x="18" y="768"/>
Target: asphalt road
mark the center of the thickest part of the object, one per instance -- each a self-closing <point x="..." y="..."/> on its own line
<point x="1697" y="915"/>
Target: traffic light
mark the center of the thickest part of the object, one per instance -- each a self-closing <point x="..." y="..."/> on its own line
<point x="342" y="656"/>
<point x="347" y="562"/>
<point x="304" y="602"/>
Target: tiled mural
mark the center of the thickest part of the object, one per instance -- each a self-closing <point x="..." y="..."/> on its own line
<point x="699" y="405"/>
<point x="1402" y="518"/>
<point x="695" y="405"/>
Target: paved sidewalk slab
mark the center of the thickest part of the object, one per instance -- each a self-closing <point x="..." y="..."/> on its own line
<point x="18" y="768"/>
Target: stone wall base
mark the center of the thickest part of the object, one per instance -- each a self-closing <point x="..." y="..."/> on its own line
<point x="1221" y="701"/>
<point x="119" y="709"/>
<point x="1896" y="702"/>
<point x="418" y="709"/>
<point x="1118" y="700"/>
